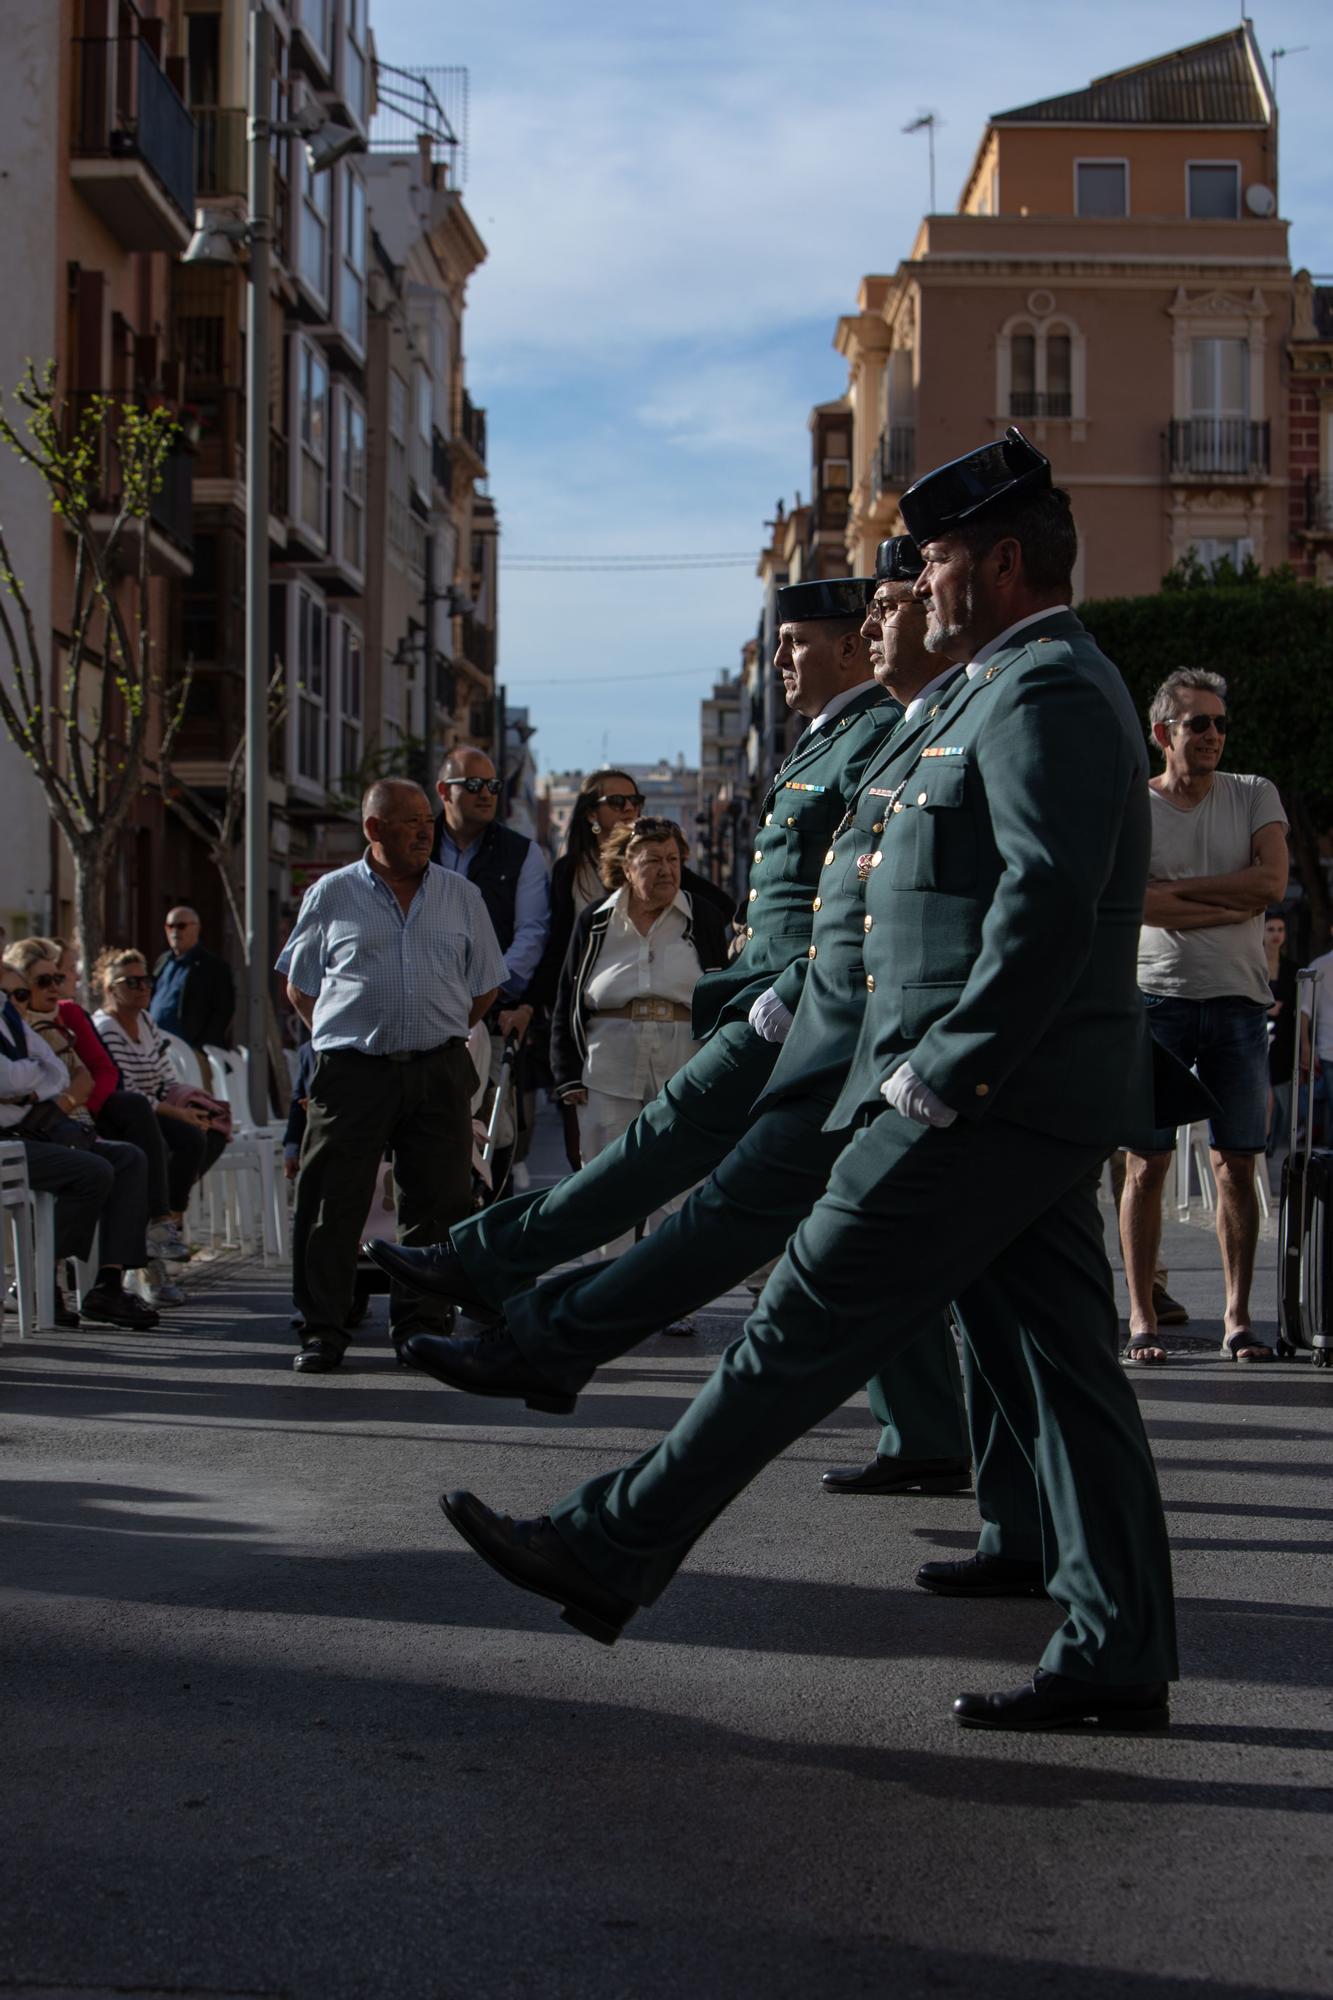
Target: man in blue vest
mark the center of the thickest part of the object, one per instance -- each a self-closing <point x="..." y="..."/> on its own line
<point x="510" y="871"/>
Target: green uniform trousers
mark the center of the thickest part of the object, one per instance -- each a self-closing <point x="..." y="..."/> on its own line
<point x="915" y="1216"/>
<point x="738" y="1219"/>
<point x="692" y="1123"/>
<point x="362" y="1107"/>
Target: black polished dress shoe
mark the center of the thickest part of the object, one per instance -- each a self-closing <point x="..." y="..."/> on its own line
<point x="320" y="1354"/>
<point x="983" y="1576"/>
<point x="436" y="1271"/>
<point x="486" y="1364"/>
<point x="107" y="1308"/>
<point x="1053" y="1701"/>
<point x="899" y="1475"/>
<point x="532" y="1555"/>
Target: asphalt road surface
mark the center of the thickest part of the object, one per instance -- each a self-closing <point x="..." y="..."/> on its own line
<point x="269" y="1729"/>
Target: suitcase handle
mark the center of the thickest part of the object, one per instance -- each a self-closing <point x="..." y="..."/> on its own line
<point x="1311" y="979"/>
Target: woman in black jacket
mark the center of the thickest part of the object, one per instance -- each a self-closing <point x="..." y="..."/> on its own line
<point x="621" y="1026"/>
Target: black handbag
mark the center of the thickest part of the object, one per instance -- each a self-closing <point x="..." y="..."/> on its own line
<point x="54" y="1127"/>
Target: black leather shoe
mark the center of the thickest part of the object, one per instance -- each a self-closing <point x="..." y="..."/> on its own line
<point x="1053" y="1701"/>
<point x="320" y="1354"/>
<point x="532" y="1555"/>
<point x="436" y="1271"/>
<point x="107" y="1308"/>
<point x="983" y="1576"/>
<point x="487" y="1364"/>
<point x="899" y="1475"/>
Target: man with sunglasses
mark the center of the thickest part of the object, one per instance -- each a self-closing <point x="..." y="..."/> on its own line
<point x="510" y="871"/>
<point x="194" y="993"/>
<point x="1219" y="859"/>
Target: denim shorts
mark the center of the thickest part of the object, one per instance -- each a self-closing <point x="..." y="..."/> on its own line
<point x="1225" y="1043"/>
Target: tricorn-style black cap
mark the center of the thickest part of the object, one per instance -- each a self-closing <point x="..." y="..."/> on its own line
<point x="898" y="560"/>
<point x="966" y="486"/>
<point x="835" y="597"/>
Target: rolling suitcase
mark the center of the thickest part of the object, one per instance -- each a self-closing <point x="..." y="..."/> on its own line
<point x="1305" y="1222"/>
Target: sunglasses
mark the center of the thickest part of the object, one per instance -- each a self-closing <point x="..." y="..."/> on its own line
<point x="46" y="980"/>
<point x="622" y="801"/>
<point x="474" y="785"/>
<point x="20" y="993"/>
<point x="1199" y="725"/>
<point x="132" y="979"/>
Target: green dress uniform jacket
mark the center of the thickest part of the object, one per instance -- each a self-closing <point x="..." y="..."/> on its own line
<point x="1004" y="910"/>
<point x="700" y="1114"/>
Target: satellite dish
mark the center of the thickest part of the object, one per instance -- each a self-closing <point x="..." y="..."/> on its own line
<point x="1260" y="200"/>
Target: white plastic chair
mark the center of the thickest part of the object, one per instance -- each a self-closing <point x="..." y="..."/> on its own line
<point x="84" y="1268"/>
<point x="251" y="1152"/>
<point x="16" y="1220"/>
<point x="1193" y="1151"/>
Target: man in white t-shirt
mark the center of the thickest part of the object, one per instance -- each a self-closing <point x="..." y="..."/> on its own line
<point x="1219" y="859"/>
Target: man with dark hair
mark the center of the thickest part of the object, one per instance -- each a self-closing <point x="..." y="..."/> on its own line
<point x="1002" y="1054"/>
<point x="510" y="871"/>
<point x="556" y="1335"/>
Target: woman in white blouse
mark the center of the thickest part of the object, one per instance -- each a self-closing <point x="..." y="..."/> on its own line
<point x="621" y="1025"/>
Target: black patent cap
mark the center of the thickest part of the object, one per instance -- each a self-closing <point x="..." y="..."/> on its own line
<point x="966" y="486"/>
<point x="898" y="560"/>
<point x="833" y="597"/>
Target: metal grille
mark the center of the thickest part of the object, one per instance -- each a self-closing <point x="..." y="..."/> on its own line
<point x="424" y="103"/>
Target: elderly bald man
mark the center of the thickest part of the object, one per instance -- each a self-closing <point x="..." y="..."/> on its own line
<point x="194" y="993"/>
<point x="391" y="961"/>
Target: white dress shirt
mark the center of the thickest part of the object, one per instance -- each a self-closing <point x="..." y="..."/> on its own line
<point x="635" y="1058"/>
<point x="40" y="1074"/>
<point x="833" y="708"/>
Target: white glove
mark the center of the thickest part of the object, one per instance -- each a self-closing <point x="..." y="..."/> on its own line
<point x="770" y="1017"/>
<point x="905" y="1092"/>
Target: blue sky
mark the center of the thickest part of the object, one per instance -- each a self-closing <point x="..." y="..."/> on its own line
<point x="673" y="198"/>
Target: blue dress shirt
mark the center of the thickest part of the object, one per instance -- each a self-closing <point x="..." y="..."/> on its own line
<point x="169" y="991"/>
<point x="385" y="983"/>
<point x="532" y="907"/>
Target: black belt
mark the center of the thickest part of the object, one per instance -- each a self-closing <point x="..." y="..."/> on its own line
<point x="405" y="1055"/>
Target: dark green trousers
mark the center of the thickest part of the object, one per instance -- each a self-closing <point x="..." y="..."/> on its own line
<point x="678" y="1139"/>
<point x="915" y="1216"/>
<point x="736" y="1220"/>
<point x="362" y="1107"/>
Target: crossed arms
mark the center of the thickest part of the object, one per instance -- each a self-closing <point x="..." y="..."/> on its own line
<point x="1200" y="902"/>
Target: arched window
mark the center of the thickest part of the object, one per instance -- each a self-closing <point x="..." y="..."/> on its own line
<point x="1039" y="369"/>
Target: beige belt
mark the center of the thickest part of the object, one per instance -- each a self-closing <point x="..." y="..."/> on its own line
<point x="646" y="1009"/>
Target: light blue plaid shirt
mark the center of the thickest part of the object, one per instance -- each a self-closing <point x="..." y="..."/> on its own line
<point x="384" y="982"/>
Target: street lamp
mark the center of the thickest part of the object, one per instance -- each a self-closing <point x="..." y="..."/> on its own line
<point x="218" y="240"/>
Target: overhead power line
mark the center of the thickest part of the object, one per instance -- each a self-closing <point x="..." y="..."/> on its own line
<point x="516" y="674"/>
<point x="630" y="565"/>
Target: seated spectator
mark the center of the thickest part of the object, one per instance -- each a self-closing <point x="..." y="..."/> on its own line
<point x="1281" y="1031"/>
<point x="622" y="1013"/>
<point x="100" y="1185"/>
<point x="120" y="981"/>
<point x="122" y="1114"/>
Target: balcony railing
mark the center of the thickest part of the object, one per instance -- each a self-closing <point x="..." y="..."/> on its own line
<point x="220" y="452"/>
<point x="220" y="163"/>
<point x="1040" y="403"/>
<point x="126" y="109"/>
<point x="893" y="458"/>
<point x="441" y="463"/>
<point x="473" y="427"/>
<point x="171" y="508"/>
<point x="1218" y="448"/>
<point x="478" y="644"/>
<point x="1319" y="505"/>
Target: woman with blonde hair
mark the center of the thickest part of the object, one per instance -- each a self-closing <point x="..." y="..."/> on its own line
<point x="621" y="1025"/>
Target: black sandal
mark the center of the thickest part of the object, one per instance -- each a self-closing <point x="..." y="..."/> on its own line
<point x="1133" y="1349"/>
<point x="1233" y="1342"/>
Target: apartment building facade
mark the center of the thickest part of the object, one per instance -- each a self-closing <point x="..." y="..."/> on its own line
<point x="97" y="153"/>
<point x="1115" y="280"/>
<point x="1310" y="355"/>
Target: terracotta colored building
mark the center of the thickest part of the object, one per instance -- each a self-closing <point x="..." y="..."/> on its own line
<point x="1115" y="280"/>
<point x="1311" y="429"/>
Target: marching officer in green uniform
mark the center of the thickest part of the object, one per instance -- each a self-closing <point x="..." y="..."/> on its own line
<point x="560" y="1332"/>
<point x="699" y="1115"/>
<point x="1002" y="1054"/>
